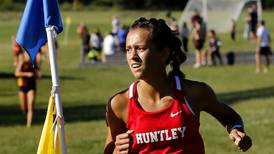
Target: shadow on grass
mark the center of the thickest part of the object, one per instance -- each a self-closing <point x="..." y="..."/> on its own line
<point x="48" y="77"/>
<point x="11" y="115"/>
<point x="234" y="97"/>
<point x="4" y="75"/>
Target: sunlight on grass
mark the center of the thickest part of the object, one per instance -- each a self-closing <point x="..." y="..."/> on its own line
<point x="85" y="92"/>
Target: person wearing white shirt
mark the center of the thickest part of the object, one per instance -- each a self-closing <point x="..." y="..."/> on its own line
<point x="109" y="46"/>
<point x="262" y="46"/>
<point x="116" y="24"/>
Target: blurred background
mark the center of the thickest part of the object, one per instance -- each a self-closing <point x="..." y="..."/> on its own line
<point x="87" y="85"/>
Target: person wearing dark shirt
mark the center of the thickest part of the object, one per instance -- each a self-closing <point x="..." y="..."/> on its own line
<point x="185" y="35"/>
<point x="253" y="21"/>
<point x="233" y="31"/>
<point x="85" y="37"/>
<point x="214" y="49"/>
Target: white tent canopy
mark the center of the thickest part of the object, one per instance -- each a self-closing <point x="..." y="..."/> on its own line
<point x="218" y="14"/>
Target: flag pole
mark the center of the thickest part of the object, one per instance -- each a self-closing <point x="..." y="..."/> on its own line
<point x="51" y="35"/>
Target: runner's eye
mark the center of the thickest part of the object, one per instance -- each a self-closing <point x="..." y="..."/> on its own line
<point x="140" y="49"/>
<point x="128" y="50"/>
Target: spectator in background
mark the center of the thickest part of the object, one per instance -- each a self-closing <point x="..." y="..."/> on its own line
<point x="185" y="35"/>
<point x="122" y="34"/>
<point x="195" y="17"/>
<point x="233" y="30"/>
<point x="172" y="24"/>
<point x="26" y="78"/>
<point x="263" y="47"/>
<point x="214" y="49"/>
<point x="82" y="30"/>
<point x="253" y="21"/>
<point x="96" y="42"/>
<point x="92" y="56"/>
<point x="109" y="47"/>
<point x="116" y="25"/>
<point x="198" y="37"/>
<point x="198" y="41"/>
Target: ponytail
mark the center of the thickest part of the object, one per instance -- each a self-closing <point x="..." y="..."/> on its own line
<point x="177" y="57"/>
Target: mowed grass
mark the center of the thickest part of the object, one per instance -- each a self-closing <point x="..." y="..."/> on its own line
<point x="85" y="92"/>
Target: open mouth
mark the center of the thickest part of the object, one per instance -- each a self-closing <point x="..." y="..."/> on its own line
<point x="136" y="65"/>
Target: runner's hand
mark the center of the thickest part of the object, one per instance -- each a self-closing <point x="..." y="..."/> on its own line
<point x="122" y="143"/>
<point x="240" y="139"/>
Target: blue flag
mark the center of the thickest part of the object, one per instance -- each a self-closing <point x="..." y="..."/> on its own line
<point x="38" y="15"/>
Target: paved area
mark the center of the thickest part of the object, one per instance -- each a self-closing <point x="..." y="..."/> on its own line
<point x="119" y="58"/>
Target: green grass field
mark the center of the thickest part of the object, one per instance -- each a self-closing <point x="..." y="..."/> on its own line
<point x="85" y="92"/>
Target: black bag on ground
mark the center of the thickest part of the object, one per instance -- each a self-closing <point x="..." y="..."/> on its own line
<point x="230" y="56"/>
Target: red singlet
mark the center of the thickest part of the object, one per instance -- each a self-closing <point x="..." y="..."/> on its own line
<point x="173" y="129"/>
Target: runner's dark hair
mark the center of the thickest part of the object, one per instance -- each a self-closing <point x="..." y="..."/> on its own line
<point x="162" y="36"/>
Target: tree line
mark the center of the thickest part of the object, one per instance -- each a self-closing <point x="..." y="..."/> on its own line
<point x="122" y="4"/>
<point x="143" y="4"/>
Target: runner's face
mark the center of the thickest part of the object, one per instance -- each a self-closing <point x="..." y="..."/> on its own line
<point x="144" y="60"/>
<point x="210" y="34"/>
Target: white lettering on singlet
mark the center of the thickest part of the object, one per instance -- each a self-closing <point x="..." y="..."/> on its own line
<point x="174" y="133"/>
<point x="146" y="137"/>
<point x="182" y="131"/>
<point x="153" y="136"/>
<point x="167" y="137"/>
<point x="160" y="135"/>
<point x="139" y="138"/>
